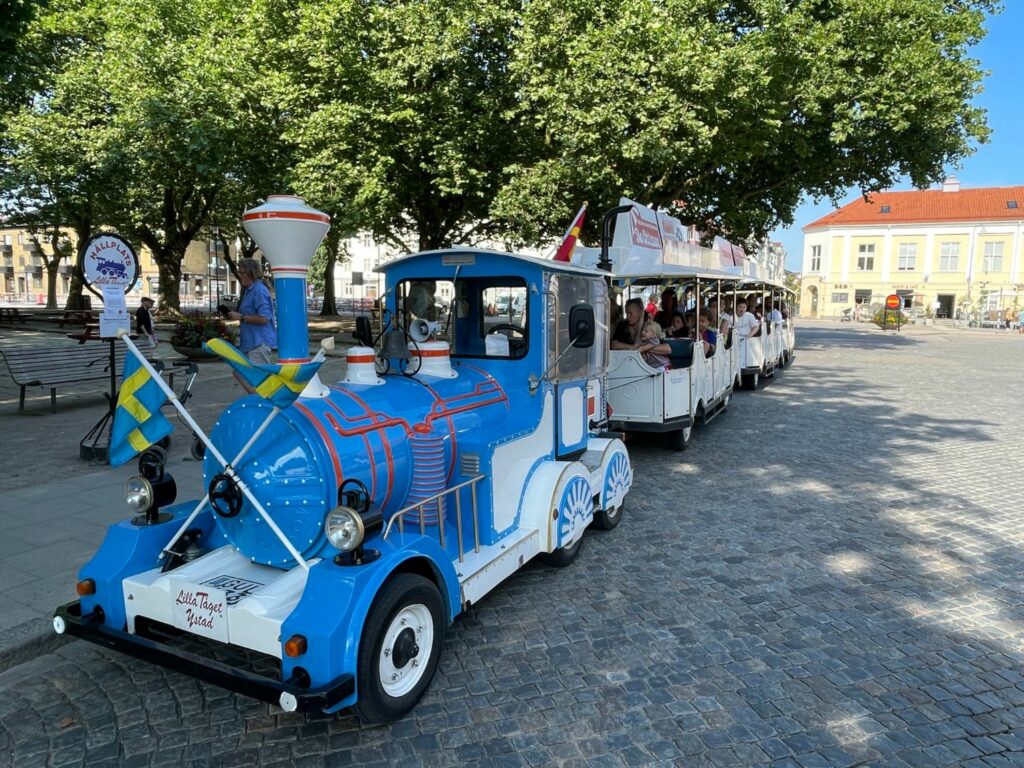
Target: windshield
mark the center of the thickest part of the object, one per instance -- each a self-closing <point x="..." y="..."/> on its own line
<point x="478" y="317"/>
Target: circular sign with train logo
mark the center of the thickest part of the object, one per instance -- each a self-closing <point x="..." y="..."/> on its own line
<point x="109" y="260"/>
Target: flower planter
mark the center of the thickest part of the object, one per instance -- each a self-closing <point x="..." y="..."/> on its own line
<point x="194" y="353"/>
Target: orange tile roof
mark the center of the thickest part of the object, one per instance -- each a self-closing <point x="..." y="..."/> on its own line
<point x="930" y="205"/>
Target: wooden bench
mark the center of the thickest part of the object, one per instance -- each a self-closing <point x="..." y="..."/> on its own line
<point x="78" y="317"/>
<point x="12" y="314"/>
<point x="55" y="365"/>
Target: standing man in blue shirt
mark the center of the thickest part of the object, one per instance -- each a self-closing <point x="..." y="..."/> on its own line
<point x="257" y="336"/>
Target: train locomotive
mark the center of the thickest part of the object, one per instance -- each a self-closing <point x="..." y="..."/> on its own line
<point x="340" y="535"/>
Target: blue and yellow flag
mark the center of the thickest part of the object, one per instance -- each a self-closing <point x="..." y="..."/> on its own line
<point x="280" y="383"/>
<point x="138" y="422"/>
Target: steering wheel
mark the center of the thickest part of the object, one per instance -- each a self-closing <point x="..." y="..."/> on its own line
<point x="358" y="499"/>
<point x="225" y="496"/>
<point x="508" y="327"/>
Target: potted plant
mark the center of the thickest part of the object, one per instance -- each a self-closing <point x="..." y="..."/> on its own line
<point x="194" y="328"/>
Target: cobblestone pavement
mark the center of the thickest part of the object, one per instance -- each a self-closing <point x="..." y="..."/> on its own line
<point x="829" y="576"/>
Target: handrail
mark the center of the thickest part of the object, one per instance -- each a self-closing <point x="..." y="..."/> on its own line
<point x="399" y="515"/>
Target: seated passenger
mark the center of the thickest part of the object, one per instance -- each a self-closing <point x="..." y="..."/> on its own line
<point x="746" y="324"/>
<point x="641" y="335"/>
<point x="707" y="335"/>
<point x="669" y="304"/>
<point x="677" y="326"/>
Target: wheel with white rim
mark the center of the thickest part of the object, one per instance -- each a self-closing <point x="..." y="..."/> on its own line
<point x="399" y="649"/>
<point x="679" y="440"/>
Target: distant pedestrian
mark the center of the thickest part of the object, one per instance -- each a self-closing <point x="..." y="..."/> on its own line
<point x="144" y="322"/>
<point x="1020" y="321"/>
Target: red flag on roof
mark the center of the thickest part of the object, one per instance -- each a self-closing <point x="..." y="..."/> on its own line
<point x="564" y="252"/>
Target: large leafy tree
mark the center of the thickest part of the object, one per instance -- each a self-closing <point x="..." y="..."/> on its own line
<point x="403" y="113"/>
<point x="55" y="159"/>
<point x="731" y="111"/>
<point x="189" y="117"/>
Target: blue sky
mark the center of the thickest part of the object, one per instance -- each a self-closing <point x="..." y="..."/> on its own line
<point x="996" y="164"/>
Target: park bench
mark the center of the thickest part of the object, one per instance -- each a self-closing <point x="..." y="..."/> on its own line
<point x="53" y="366"/>
<point x="11" y="314"/>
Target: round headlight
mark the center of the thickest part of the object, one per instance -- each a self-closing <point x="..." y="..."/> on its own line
<point x="344" y="528"/>
<point x="138" y="494"/>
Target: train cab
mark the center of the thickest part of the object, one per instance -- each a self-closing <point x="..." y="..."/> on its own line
<point x="341" y="533"/>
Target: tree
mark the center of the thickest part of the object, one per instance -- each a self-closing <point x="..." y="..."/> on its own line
<point x="189" y="118"/>
<point x="402" y="114"/>
<point x="55" y="166"/>
<point x="730" y="112"/>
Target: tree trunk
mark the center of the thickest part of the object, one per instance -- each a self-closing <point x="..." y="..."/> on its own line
<point x="51" y="283"/>
<point x="333" y="241"/>
<point x="74" y="300"/>
<point x="168" y="261"/>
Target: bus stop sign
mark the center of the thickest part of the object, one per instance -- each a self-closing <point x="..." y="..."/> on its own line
<point x="893" y="301"/>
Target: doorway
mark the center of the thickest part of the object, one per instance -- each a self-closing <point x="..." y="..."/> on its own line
<point x="946" y="302"/>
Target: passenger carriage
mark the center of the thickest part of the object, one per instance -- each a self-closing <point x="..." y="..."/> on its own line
<point x="341" y="534"/>
<point x="773" y="347"/>
<point x="653" y="252"/>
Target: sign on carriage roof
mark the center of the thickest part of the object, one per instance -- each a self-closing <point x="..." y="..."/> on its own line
<point x="648" y="242"/>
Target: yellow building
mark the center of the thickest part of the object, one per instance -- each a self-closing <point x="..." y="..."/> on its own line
<point x="949" y="252"/>
<point x="23" y="271"/>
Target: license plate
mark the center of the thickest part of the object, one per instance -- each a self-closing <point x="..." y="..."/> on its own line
<point x="200" y="609"/>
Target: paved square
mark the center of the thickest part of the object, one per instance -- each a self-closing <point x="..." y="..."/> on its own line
<point x="831" y="575"/>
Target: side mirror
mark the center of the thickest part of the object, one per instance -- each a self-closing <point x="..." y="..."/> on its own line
<point x="363" y="333"/>
<point x="581" y="326"/>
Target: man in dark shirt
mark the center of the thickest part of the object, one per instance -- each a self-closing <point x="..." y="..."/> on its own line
<point x="144" y="321"/>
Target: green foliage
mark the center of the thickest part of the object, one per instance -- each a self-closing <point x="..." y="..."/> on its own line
<point x="731" y="112"/>
<point x="448" y="122"/>
<point x="890" y="319"/>
<point x="193" y="328"/>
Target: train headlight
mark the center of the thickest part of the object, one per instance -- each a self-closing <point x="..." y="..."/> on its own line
<point x="344" y="528"/>
<point x="138" y="493"/>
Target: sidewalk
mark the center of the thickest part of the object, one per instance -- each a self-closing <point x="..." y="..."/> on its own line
<point x="55" y="508"/>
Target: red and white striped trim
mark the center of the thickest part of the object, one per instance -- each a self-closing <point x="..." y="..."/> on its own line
<point x="431" y="352"/>
<point x="289" y="271"/>
<point x="323" y="218"/>
<point x="360" y="359"/>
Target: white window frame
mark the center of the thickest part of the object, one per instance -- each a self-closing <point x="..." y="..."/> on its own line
<point x="906" y="260"/>
<point x="993" y="257"/>
<point x="866" y="257"/>
<point x="949" y="256"/>
<point x="815" y="258"/>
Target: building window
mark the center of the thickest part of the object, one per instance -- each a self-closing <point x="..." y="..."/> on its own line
<point x="886" y="209"/>
<point x="866" y="258"/>
<point x="949" y="257"/>
<point x="8" y="240"/>
<point x="907" y="258"/>
<point x="815" y="258"/>
<point x="862" y="296"/>
<point x="993" y="257"/>
<point x="21" y="238"/>
<point x="840" y="298"/>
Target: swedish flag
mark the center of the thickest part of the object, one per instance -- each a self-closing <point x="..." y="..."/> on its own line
<point x="280" y="383"/>
<point x="138" y="422"/>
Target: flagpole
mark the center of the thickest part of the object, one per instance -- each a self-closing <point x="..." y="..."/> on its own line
<point x="206" y="498"/>
<point x="241" y="454"/>
<point x="199" y="433"/>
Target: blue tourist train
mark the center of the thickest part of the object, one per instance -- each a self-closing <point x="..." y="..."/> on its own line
<point x="343" y="532"/>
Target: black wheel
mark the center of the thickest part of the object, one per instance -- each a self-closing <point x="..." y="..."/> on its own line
<point x="751" y="380"/>
<point x="680" y="439"/>
<point x="399" y="649"/>
<point x="198" y="449"/>
<point x="606" y="519"/>
<point x="164" y="442"/>
<point x="564" y="556"/>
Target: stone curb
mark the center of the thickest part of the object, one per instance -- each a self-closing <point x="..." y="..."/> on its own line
<point x="28" y="640"/>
